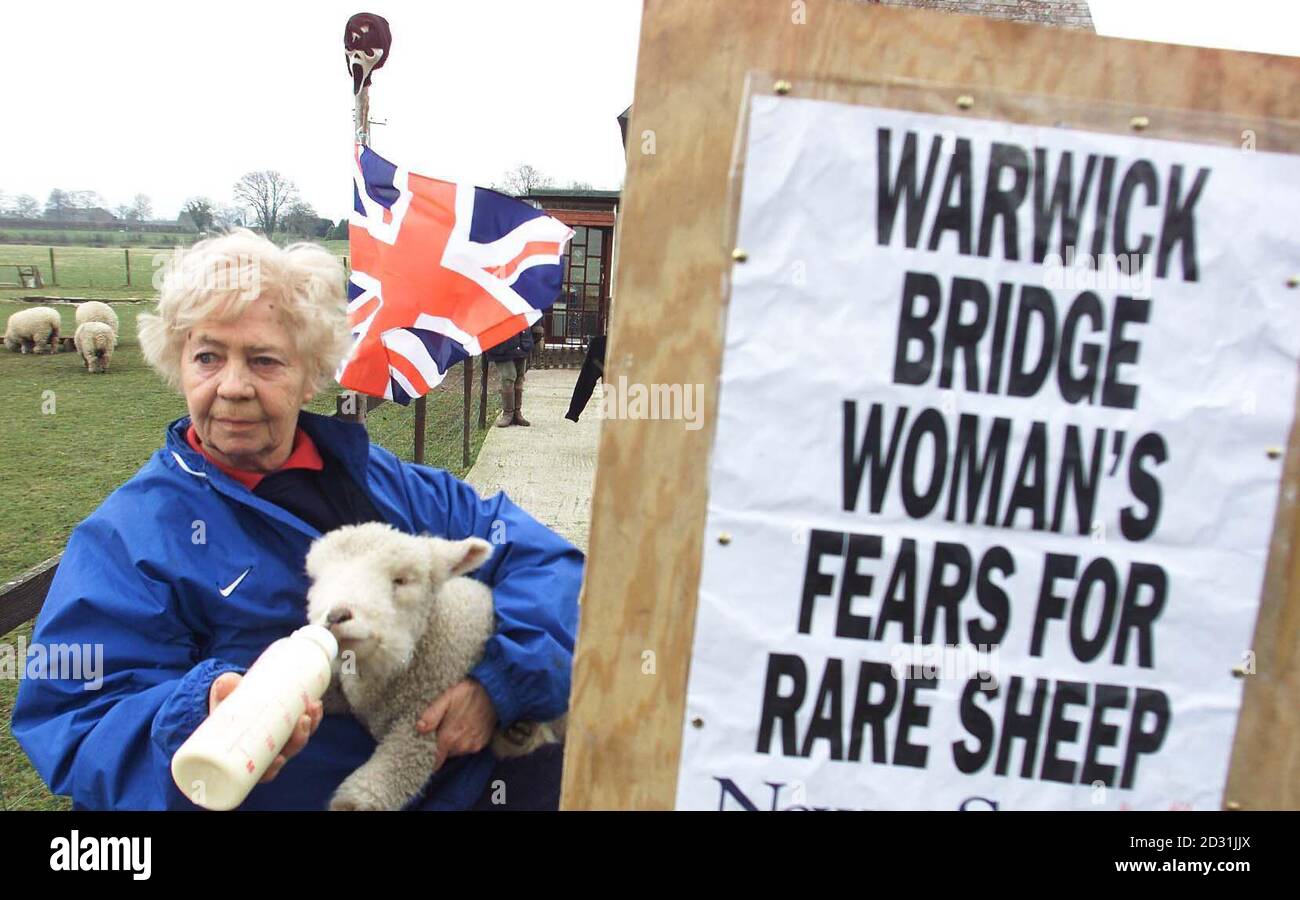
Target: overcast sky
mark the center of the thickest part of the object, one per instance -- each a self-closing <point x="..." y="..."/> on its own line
<point x="180" y="99"/>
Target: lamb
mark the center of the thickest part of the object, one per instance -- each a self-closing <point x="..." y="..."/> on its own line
<point x="95" y="343"/>
<point x="33" y="329"/>
<point x="94" y="311"/>
<point x="409" y="627"/>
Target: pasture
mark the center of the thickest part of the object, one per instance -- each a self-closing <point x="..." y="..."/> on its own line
<point x="97" y="272"/>
<point x="68" y="439"/>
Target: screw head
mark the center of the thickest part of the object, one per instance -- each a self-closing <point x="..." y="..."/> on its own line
<point x="1274" y="452"/>
<point x="965" y="101"/>
<point x="739" y="255"/>
<point x="1293" y="281"/>
<point x="1231" y="804"/>
<point x="724" y="539"/>
<point x="782" y="87"/>
<point x="697" y="722"/>
<point x="1137" y="123"/>
<point x="1239" y="671"/>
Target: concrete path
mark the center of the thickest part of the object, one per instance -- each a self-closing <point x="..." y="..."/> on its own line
<point x="548" y="467"/>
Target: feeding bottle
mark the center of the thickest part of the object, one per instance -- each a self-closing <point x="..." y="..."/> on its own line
<point x="234" y="746"/>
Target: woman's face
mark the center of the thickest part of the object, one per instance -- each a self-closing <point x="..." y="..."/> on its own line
<point x="244" y="383"/>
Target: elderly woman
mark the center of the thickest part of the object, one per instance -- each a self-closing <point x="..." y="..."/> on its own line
<point x="195" y="565"/>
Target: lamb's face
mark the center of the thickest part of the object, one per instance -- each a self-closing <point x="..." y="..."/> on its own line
<point x="373" y="586"/>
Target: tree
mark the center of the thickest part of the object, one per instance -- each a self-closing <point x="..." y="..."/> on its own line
<point x="229" y="217"/>
<point x="200" y="211"/>
<point x="298" y="217"/>
<point x="579" y="186"/>
<point x="141" y="208"/>
<point x="26" y="207"/>
<point x="57" y="204"/>
<point x="268" y="194"/>
<point x="85" y="199"/>
<point x="522" y="180"/>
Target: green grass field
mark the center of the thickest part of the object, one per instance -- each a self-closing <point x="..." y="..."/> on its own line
<point x="97" y="272"/>
<point x="56" y="468"/>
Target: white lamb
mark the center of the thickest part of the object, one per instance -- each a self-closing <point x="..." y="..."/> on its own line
<point x="408" y="628"/>
<point x="94" y="311"/>
<point x="35" y="330"/>
<point x="95" y="343"/>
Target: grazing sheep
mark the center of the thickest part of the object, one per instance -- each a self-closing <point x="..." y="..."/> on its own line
<point x="95" y="342"/>
<point x="414" y="629"/>
<point x="94" y="311"/>
<point x="33" y="329"/>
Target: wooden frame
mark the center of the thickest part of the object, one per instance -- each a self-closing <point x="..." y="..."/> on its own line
<point x="648" y="508"/>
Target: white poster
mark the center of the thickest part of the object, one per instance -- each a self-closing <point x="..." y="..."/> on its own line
<point x="987" y="527"/>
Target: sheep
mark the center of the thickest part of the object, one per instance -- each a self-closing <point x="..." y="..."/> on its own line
<point x="94" y="311"/>
<point x="32" y="329"/>
<point x="409" y="627"/>
<point x="95" y="343"/>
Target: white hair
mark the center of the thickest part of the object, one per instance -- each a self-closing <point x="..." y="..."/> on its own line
<point x="222" y="276"/>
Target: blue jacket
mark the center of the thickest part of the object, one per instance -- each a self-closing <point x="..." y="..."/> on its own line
<point x="148" y="576"/>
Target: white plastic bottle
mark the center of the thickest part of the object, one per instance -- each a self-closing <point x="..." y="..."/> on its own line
<point x="234" y="746"/>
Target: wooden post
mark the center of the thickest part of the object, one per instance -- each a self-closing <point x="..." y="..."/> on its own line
<point x="482" y="396"/>
<point x="468" y="374"/>
<point x="420" y="405"/>
<point x="54" y="278"/>
<point x="127" y="251"/>
<point x="649" y="506"/>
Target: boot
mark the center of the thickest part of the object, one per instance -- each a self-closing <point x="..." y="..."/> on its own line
<point x="507" y="416"/>
<point x="519" y="404"/>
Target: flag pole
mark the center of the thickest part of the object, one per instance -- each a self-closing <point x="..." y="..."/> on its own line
<point x="366" y="43"/>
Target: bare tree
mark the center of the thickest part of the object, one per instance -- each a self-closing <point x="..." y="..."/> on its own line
<point x="579" y="186"/>
<point x="229" y="217"/>
<point x="141" y="208"/>
<point x="269" y="194"/>
<point x="522" y="180"/>
<point x="26" y="206"/>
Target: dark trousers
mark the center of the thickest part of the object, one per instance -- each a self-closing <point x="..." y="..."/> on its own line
<point x="529" y="782"/>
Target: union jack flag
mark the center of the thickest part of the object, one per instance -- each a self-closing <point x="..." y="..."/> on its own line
<point x="440" y="270"/>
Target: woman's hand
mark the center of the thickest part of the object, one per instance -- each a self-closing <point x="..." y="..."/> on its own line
<point x="464" y="718"/>
<point x="223" y="684"/>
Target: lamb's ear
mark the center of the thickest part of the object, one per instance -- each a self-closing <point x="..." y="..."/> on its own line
<point x="467" y="555"/>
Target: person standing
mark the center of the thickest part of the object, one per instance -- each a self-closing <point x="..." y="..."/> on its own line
<point x="511" y="358"/>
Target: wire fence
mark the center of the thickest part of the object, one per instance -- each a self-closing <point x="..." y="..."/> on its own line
<point x="392" y="426"/>
<point x="86" y="267"/>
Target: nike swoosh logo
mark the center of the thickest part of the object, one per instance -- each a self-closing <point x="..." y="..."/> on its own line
<point x="226" y="592"/>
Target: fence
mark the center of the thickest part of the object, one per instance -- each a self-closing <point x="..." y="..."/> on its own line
<point x="92" y="267"/>
<point x="89" y="267"/>
<point x="420" y="432"/>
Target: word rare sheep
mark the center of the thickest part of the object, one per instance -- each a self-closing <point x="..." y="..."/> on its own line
<point x="94" y="311"/>
<point x="409" y="627"/>
<point x="35" y="330"/>
<point x="95" y="343"/>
